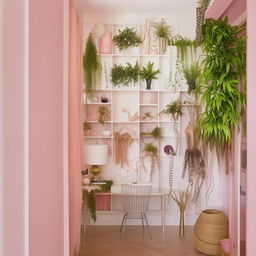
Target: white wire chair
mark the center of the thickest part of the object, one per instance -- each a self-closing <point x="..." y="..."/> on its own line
<point x="135" y="203"/>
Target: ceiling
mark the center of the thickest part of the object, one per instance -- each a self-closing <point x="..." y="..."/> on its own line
<point x="142" y="6"/>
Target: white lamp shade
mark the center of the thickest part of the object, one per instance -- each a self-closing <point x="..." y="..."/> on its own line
<point x="96" y="154"/>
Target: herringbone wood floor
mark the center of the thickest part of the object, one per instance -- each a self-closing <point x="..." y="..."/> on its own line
<point x="107" y="241"/>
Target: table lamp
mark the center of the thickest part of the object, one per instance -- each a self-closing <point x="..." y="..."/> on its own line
<point x="95" y="155"/>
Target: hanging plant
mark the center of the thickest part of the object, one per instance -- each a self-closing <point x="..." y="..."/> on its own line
<point x="157" y="133"/>
<point x="125" y="75"/>
<point x="90" y="65"/>
<point x="223" y="72"/>
<point x="192" y="76"/>
<point x="183" y="45"/>
<point x="148" y="74"/>
<point x="127" y="38"/>
<point x="104" y="113"/>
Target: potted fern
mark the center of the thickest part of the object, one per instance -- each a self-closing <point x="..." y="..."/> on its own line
<point x="148" y="74"/>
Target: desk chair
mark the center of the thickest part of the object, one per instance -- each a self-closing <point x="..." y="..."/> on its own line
<point x="135" y="203"/>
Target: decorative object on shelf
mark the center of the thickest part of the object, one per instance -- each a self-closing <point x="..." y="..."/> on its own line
<point x="163" y="33"/>
<point x="148" y="74"/>
<point x="192" y="76"/>
<point x="131" y="117"/>
<point x="173" y="109"/>
<point x="91" y="66"/>
<point x="147" y="116"/>
<point x="98" y="31"/>
<point x="95" y="155"/>
<point x="104" y="114"/>
<point x="85" y="177"/>
<point x="122" y="144"/>
<point x="169" y="151"/>
<point x="104" y="99"/>
<point x="146" y="134"/>
<point x="89" y="196"/>
<point x="125" y="75"/>
<point x="224" y="101"/>
<point x="181" y="200"/>
<point x="87" y="128"/>
<point x="105" y="43"/>
<point x="151" y="151"/>
<point x="127" y="38"/>
<point x="210" y="227"/>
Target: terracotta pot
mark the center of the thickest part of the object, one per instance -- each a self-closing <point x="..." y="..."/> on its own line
<point x="210" y="227"/>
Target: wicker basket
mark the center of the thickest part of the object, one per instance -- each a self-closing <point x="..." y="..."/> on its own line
<point x="210" y="227"/>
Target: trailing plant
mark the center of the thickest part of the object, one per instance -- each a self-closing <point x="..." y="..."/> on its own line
<point x="223" y="72"/>
<point x="148" y="73"/>
<point x="89" y="197"/>
<point x="127" y="38"/>
<point x="90" y="65"/>
<point x="173" y="109"/>
<point x="192" y="76"/>
<point x="124" y="75"/>
<point x="183" y="44"/>
<point x="157" y="132"/>
<point x="103" y="114"/>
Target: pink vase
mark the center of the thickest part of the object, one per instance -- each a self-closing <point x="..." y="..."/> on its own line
<point x="105" y="43"/>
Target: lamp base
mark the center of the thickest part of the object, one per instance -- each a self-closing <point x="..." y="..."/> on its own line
<point x="95" y="170"/>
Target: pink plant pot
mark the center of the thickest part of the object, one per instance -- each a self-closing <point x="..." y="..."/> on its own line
<point x="225" y="245"/>
<point x="105" y="43"/>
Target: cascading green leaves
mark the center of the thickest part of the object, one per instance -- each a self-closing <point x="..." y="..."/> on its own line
<point x="223" y="74"/>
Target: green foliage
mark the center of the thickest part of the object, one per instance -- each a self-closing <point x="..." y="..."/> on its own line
<point x="147" y="73"/>
<point x="223" y="72"/>
<point x="147" y="115"/>
<point x="106" y="187"/>
<point x="90" y="65"/>
<point x="124" y="75"/>
<point x="150" y="148"/>
<point x="103" y="114"/>
<point x="192" y="75"/>
<point x="162" y="30"/>
<point x="173" y="109"/>
<point x="89" y="197"/>
<point x="183" y="44"/>
<point x="126" y="38"/>
<point x="157" y="133"/>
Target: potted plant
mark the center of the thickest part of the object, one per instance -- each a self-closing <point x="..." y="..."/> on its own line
<point x="87" y="128"/>
<point x="126" y="38"/>
<point x="148" y="74"/>
<point x="192" y="76"/>
<point x="104" y="99"/>
<point x="91" y="66"/>
<point x="150" y="149"/>
<point x="125" y="75"/>
<point x="157" y="133"/>
<point x="173" y="109"/>
<point x="104" y="114"/>
<point x="162" y="32"/>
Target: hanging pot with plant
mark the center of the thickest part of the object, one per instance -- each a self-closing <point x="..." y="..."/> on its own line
<point x="148" y="74"/>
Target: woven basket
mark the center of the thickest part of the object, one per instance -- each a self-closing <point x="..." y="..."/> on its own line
<point x="210" y="227"/>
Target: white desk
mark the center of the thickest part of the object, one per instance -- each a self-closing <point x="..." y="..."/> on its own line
<point x="162" y="194"/>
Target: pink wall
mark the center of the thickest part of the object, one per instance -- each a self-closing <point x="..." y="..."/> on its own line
<point x="46" y="128"/>
<point x="251" y="124"/>
<point x="13" y="120"/>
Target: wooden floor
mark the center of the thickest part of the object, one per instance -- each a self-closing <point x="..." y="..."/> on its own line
<point x="107" y="241"/>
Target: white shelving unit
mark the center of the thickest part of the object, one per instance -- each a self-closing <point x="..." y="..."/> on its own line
<point x="135" y="98"/>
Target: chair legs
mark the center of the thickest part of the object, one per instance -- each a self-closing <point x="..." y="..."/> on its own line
<point x="143" y="216"/>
